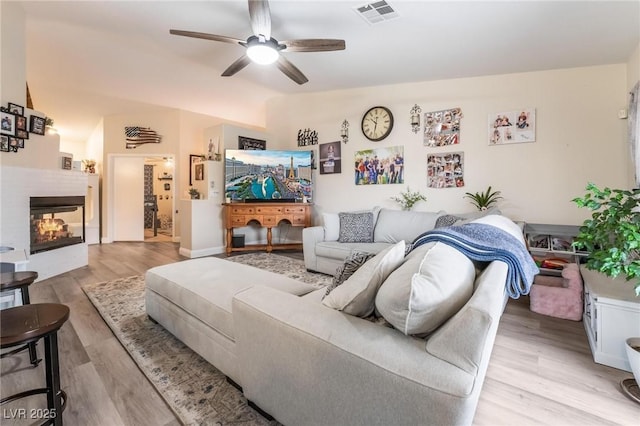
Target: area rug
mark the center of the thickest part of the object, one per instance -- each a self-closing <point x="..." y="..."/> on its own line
<point x="195" y="390"/>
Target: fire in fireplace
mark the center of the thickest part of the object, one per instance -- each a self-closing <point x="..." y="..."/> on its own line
<point x="56" y="222"/>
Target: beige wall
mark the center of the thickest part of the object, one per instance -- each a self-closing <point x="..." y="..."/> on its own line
<point x="12" y="65"/>
<point x="579" y="139"/>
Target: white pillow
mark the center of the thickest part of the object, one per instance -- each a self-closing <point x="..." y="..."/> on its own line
<point x="331" y="226"/>
<point x="433" y="283"/>
<point x="503" y="223"/>
<point x="356" y="296"/>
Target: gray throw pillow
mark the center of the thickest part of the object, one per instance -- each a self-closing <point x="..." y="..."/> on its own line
<point x="356" y="227"/>
<point x="447" y="220"/>
<point x="348" y="268"/>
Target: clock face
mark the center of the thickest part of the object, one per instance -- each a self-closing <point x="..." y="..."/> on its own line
<point x="377" y="123"/>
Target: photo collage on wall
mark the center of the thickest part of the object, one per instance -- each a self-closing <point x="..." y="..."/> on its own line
<point x="512" y="127"/>
<point x="13" y="127"/>
<point x="445" y="170"/>
<point x="442" y="128"/>
<point x="330" y="158"/>
<point x="379" y="166"/>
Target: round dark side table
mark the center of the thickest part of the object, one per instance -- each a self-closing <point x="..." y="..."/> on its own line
<point x="26" y="324"/>
<point x="20" y="280"/>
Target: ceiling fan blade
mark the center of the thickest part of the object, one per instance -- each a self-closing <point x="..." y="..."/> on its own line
<point x="242" y="62"/>
<point x="207" y="36"/>
<point x="314" y="45"/>
<point x="291" y="70"/>
<point x="260" y="18"/>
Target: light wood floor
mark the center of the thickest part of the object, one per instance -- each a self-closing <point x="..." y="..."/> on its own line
<point x="541" y="371"/>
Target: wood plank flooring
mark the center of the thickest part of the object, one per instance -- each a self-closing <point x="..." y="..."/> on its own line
<point x="541" y="371"/>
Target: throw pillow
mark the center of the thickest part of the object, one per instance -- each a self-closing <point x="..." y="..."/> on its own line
<point x="356" y="296"/>
<point x="349" y="267"/>
<point x="433" y="283"/>
<point x="447" y="220"/>
<point x="331" y="226"/>
<point x="356" y="227"/>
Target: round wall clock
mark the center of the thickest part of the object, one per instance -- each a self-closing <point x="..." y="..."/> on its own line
<point x="377" y="123"/>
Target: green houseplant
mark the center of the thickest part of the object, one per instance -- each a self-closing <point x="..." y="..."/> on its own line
<point x="484" y="200"/>
<point x="612" y="235"/>
<point x="195" y="194"/>
<point x="408" y="199"/>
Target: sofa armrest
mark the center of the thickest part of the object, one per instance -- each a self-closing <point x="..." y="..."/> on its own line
<point x="311" y="236"/>
<point x="328" y="367"/>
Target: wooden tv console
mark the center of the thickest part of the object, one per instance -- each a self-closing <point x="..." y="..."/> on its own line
<point x="267" y="215"/>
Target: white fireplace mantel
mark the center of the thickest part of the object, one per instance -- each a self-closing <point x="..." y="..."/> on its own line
<point x="17" y="186"/>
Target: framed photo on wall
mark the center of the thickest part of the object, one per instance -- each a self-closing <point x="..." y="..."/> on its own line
<point x="16" y="109"/>
<point x="250" y="143"/>
<point x="4" y="143"/>
<point x="193" y="159"/>
<point x="37" y="125"/>
<point x="199" y="171"/>
<point x="330" y="158"/>
<point x="8" y="123"/>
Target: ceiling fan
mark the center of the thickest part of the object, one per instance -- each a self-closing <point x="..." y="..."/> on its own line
<point x="263" y="49"/>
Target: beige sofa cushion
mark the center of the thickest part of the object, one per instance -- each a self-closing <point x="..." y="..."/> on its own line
<point x="433" y="283"/>
<point x="356" y="296"/>
<point x="204" y="287"/>
<point x="396" y="225"/>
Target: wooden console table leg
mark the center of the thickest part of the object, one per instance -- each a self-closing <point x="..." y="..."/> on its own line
<point x="229" y="239"/>
<point x="269" y="246"/>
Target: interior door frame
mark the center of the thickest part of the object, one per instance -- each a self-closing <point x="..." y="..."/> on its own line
<point x="110" y="213"/>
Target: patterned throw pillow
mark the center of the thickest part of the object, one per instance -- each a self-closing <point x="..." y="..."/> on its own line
<point x="350" y="265"/>
<point x="356" y="227"/>
<point x="447" y="220"/>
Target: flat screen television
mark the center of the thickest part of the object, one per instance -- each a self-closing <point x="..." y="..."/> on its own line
<point x="268" y="175"/>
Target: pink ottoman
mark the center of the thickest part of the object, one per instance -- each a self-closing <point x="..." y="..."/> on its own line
<point x="559" y="297"/>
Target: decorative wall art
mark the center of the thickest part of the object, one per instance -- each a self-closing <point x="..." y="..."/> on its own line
<point x="330" y="158"/>
<point x="193" y="159"/>
<point x="8" y="123"/>
<point x="250" y="143"/>
<point x="67" y="163"/>
<point x="4" y="143"/>
<point x="37" y="125"/>
<point x="140" y="135"/>
<point x="442" y="128"/>
<point x="21" y="123"/>
<point x="634" y="129"/>
<point x="445" y="170"/>
<point x="379" y="166"/>
<point x="199" y="171"/>
<point x="16" y="109"/>
<point x="512" y="127"/>
<point x="307" y="137"/>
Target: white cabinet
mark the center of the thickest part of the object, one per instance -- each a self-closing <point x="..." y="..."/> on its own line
<point x="611" y="315"/>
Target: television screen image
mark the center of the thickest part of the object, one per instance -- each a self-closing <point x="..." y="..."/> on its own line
<point x="268" y="175"/>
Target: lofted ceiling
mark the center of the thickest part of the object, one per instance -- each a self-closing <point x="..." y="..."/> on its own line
<point x="89" y="59"/>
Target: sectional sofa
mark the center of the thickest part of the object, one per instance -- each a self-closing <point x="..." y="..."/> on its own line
<point x="311" y="359"/>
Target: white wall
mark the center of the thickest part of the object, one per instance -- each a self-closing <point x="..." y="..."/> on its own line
<point x="12" y="42"/>
<point x="579" y="139"/>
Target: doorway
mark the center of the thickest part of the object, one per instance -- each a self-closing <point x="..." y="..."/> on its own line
<point x="142" y="193"/>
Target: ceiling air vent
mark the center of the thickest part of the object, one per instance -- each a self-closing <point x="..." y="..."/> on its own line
<point x="377" y="12"/>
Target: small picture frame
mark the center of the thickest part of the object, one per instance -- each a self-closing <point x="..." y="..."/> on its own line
<point x="21" y="122"/>
<point x="199" y="172"/>
<point x="67" y="163"/>
<point x="193" y="159"/>
<point x="16" y="109"/>
<point x="7" y="123"/>
<point x="14" y="144"/>
<point x="167" y="187"/>
<point x="37" y="125"/>
<point x="22" y="134"/>
<point x="4" y="143"/>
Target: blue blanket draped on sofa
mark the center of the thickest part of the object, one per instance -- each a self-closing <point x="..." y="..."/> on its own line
<point x="483" y="242"/>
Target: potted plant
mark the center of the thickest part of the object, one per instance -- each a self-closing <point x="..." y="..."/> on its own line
<point x="484" y="200"/>
<point x="408" y="199"/>
<point x="612" y="239"/>
<point x="195" y="194"/>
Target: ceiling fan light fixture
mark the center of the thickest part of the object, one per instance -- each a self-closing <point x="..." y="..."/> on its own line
<point x="261" y="51"/>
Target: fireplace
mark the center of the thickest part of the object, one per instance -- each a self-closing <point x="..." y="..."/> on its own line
<point x="56" y="222"/>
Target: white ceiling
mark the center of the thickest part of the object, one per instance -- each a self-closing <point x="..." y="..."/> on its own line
<point x="88" y="59"/>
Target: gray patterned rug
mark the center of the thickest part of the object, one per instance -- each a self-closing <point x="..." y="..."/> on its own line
<point x="196" y="391"/>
